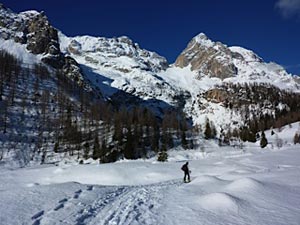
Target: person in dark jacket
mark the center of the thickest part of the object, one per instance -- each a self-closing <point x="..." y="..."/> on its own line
<point x="186" y="171"/>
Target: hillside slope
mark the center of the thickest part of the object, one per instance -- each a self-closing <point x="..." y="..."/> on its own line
<point x="107" y="90"/>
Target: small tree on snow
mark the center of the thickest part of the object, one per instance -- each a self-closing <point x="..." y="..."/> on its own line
<point x="162" y="156"/>
<point x="96" y="148"/>
<point x="210" y="130"/>
<point x="278" y="141"/>
<point x="184" y="142"/>
<point x="297" y="138"/>
<point x="86" y="150"/>
<point x="56" y="146"/>
<point x="263" y="140"/>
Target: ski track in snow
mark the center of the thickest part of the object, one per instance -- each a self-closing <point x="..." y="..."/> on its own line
<point x="117" y="205"/>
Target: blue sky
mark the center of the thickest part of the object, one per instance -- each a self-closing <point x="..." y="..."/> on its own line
<point x="271" y="28"/>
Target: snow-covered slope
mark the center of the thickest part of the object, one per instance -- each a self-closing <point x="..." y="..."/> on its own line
<point x="252" y="68"/>
<point x="115" y="64"/>
<point x="195" y="105"/>
<point x="229" y="186"/>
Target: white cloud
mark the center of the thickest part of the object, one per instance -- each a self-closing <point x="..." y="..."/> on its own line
<point x="288" y="8"/>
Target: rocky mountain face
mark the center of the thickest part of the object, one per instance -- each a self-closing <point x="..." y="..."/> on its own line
<point x="118" y="65"/>
<point x="112" y="48"/>
<point x="32" y="29"/>
<point x="209" y="58"/>
<point x="230" y="64"/>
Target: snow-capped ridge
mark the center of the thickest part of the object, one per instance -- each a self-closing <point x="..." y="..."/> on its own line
<point x="31" y="13"/>
<point x="100" y="48"/>
<point x="248" y="55"/>
<point x="122" y="64"/>
<point x="233" y="64"/>
<point x="12" y="18"/>
<point x="202" y="40"/>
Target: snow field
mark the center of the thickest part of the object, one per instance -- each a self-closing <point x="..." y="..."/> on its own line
<point x="257" y="188"/>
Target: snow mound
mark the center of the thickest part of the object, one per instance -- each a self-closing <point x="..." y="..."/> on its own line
<point x="209" y="179"/>
<point x="244" y="184"/>
<point x="220" y="202"/>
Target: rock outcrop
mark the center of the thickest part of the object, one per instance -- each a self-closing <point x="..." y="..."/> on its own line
<point x="33" y="29"/>
<point x="41" y="36"/>
<point x="208" y="57"/>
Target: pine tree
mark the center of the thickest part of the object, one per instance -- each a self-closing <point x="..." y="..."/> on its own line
<point x="96" y="148"/>
<point x="56" y="146"/>
<point x="129" y="145"/>
<point x="162" y="156"/>
<point x="155" y="136"/>
<point x="103" y="151"/>
<point x="118" y="135"/>
<point x="170" y="139"/>
<point x="263" y="140"/>
<point x="247" y="135"/>
<point x="210" y="131"/>
<point x="184" y="142"/>
<point x="86" y="150"/>
<point x="297" y="138"/>
<point x="4" y="116"/>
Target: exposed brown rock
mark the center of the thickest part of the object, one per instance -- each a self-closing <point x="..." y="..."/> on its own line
<point x="41" y="37"/>
<point x="207" y="57"/>
<point x="74" y="47"/>
<point x="217" y="95"/>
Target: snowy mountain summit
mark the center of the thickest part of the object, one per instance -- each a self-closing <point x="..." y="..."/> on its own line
<point x="232" y="64"/>
<point x="98" y="50"/>
<point x="118" y="65"/>
<point x="207" y="57"/>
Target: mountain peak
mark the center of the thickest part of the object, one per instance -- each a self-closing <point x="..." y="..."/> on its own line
<point x="207" y="57"/>
<point x="118" y="53"/>
<point x="202" y="40"/>
<point x="201" y="36"/>
<point x="31" y="13"/>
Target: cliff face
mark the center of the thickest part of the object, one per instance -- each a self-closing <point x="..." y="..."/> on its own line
<point x="208" y="57"/>
<point x="33" y="29"/>
<point x="119" y="66"/>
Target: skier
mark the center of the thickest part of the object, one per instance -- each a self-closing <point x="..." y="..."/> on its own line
<point x="186" y="171"/>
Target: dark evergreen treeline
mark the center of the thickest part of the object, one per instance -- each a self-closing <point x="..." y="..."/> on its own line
<point x="68" y="119"/>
